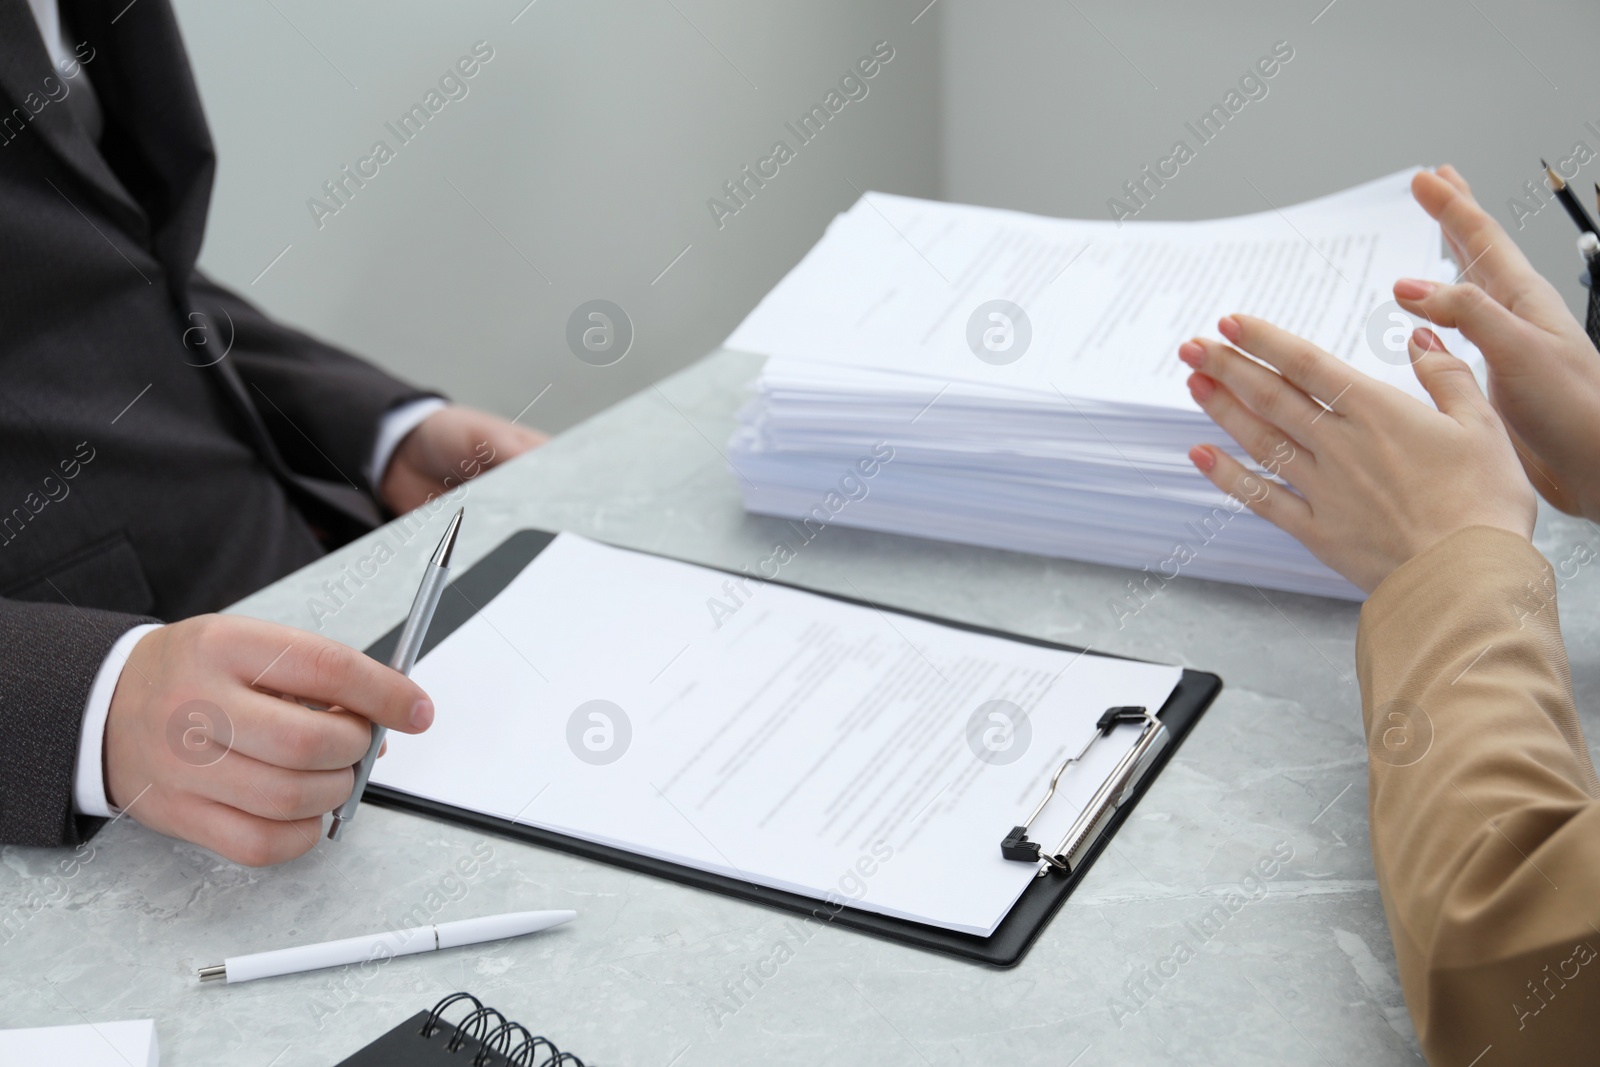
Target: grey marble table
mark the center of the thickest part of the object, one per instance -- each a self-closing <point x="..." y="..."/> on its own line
<point x="1303" y="974"/>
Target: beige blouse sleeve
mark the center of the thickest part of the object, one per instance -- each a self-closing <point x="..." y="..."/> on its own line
<point x="1485" y="823"/>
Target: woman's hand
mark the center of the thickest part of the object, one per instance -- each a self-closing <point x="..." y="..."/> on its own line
<point x="1376" y="475"/>
<point x="1544" y="372"/>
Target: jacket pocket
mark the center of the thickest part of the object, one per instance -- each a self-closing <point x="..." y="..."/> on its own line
<point x="105" y="574"/>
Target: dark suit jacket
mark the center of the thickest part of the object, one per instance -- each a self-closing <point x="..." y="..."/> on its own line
<point x="141" y="476"/>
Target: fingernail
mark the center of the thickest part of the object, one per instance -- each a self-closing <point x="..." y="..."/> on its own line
<point x="1201" y="387"/>
<point x="1426" y="340"/>
<point x="1229" y="327"/>
<point x="422" y="714"/>
<point x="1413" y="289"/>
<point x="1191" y="354"/>
<point x="1203" y="457"/>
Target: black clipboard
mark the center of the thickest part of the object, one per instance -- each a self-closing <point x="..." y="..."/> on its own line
<point x="1010" y="941"/>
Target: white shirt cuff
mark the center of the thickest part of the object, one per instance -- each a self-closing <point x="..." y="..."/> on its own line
<point x="89" y="778"/>
<point x="393" y="429"/>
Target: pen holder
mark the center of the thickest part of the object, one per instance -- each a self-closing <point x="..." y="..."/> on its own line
<point x="1591" y="322"/>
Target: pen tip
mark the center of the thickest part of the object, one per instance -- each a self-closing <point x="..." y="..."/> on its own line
<point x="447" y="544"/>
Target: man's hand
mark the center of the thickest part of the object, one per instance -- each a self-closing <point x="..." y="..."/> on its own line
<point x="1544" y="372"/>
<point x="202" y="743"/>
<point x="1376" y="478"/>
<point x="449" y="447"/>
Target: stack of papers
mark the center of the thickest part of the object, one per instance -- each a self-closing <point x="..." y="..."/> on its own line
<point x="1009" y="380"/>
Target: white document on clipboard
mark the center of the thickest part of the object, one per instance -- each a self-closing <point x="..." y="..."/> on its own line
<point x="837" y="750"/>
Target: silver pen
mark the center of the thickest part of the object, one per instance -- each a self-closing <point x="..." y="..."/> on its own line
<point x="405" y="655"/>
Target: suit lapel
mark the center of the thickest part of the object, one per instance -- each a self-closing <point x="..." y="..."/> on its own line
<point x="153" y="117"/>
<point x="26" y="80"/>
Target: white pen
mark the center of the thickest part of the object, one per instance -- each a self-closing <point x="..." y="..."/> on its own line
<point x="383" y="946"/>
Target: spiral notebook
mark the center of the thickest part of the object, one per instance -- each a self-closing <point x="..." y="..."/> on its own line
<point x="804" y="750"/>
<point x="483" y="1038"/>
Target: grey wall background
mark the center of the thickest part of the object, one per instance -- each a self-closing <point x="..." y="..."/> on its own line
<point x="579" y="164"/>
<point x="1049" y="106"/>
<point x="577" y="167"/>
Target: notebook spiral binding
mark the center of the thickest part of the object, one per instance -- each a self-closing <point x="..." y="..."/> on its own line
<point x="496" y="1041"/>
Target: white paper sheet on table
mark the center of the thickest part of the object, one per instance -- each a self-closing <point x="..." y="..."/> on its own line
<point x="118" y="1044"/>
<point x="780" y="744"/>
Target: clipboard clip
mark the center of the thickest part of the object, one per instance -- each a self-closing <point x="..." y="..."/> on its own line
<point x="1116" y="789"/>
